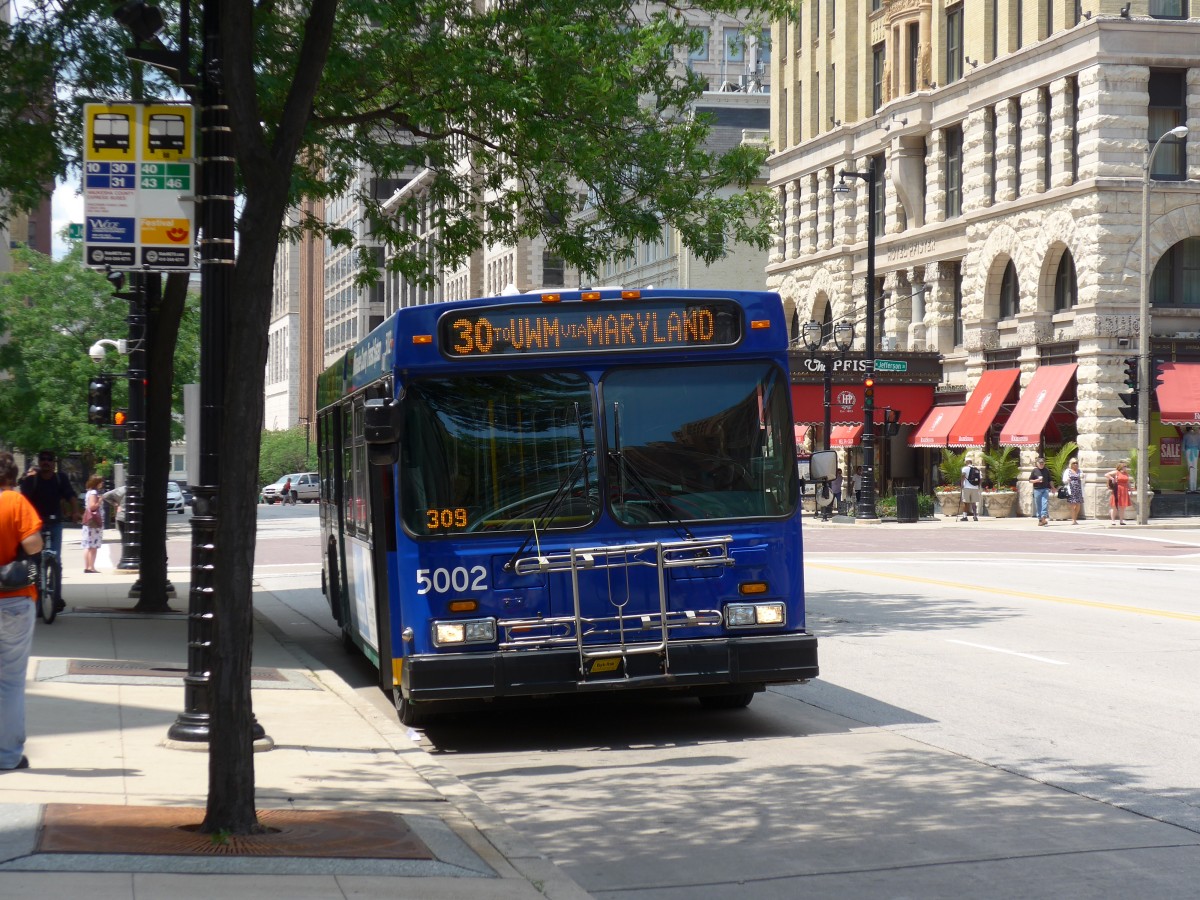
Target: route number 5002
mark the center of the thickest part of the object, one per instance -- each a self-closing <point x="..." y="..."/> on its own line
<point x="443" y="581"/>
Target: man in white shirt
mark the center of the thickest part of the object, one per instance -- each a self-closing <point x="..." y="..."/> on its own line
<point x="972" y="490"/>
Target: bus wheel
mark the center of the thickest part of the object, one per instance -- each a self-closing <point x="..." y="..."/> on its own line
<point x="411" y="714"/>
<point x="727" y="701"/>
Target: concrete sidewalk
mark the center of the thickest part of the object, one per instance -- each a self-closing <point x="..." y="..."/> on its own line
<point x="343" y="780"/>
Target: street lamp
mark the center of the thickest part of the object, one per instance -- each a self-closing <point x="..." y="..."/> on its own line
<point x="814" y="336"/>
<point x="1144" y="374"/>
<point x="866" y="497"/>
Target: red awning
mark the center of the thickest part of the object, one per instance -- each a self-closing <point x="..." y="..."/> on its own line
<point x="845" y="435"/>
<point x="846" y="402"/>
<point x="1029" y="417"/>
<point x="936" y="427"/>
<point x="1179" y="394"/>
<point x="801" y="434"/>
<point x="982" y="407"/>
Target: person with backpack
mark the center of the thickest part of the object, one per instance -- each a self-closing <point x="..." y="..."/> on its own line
<point x="52" y="495"/>
<point x="972" y="490"/>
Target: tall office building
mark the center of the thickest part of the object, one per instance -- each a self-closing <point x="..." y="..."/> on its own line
<point x="1005" y="142"/>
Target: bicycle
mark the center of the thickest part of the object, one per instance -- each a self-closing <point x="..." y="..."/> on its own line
<point x="48" y="578"/>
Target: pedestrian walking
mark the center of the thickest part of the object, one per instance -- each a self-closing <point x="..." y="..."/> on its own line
<point x="20" y="527"/>
<point x="1118" y="492"/>
<point x="1042" y="483"/>
<point x="93" y="524"/>
<point x="1074" y="490"/>
<point x="972" y="490"/>
<point x="856" y="483"/>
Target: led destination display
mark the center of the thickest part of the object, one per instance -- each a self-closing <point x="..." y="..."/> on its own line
<point x="536" y="329"/>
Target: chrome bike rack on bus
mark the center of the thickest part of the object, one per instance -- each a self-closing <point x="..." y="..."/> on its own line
<point x="607" y="637"/>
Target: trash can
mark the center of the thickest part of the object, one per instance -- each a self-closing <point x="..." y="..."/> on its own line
<point x="906" y="504"/>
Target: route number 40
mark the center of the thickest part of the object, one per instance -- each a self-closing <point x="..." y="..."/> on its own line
<point x="442" y="581"/>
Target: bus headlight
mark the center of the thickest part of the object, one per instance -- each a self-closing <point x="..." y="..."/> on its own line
<point x="464" y="631"/>
<point x="745" y="615"/>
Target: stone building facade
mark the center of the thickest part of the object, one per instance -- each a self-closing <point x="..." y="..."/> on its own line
<point x="1008" y="140"/>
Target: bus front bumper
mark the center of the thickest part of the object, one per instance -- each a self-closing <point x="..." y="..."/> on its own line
<point x="751" y="661"/>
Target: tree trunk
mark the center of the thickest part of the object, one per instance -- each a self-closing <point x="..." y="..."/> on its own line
<point x="162" y="334"/>
<point x="231" y="752"/>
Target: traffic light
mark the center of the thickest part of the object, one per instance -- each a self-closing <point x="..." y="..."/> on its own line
<point x="1131" y="373"/>
<point x="891" y="422"/>
<point x="869" y="393"/>
<point x="1129" y="400"/>
<point x="120" y="419"/>
<point x="100" y="400"/>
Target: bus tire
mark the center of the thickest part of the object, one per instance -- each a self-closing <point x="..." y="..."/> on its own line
<point x="411" y="714"/>
<point x="726" y="701"/>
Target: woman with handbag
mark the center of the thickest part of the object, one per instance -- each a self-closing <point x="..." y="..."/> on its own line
<point x="20" y="529"/>
<point x="93" y="523"/>
<point x="1074" y="490"/>
<point x="1118" y="492"/>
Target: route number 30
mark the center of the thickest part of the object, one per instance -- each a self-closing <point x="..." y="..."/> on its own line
<point x="442" y="581"/>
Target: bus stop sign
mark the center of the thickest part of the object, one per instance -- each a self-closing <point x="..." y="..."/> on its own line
<point x="138" y="186"/>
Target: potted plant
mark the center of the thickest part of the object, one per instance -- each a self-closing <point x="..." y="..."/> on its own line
<point x="1000" y="495"/>
<point x="949" y="495"/>
<point x="1057" y="463"/>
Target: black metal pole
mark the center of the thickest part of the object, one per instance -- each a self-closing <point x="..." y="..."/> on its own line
<point x="135" y="426"/>
<point x="216" y="278"/>
<point x="866" y="502"/>
<point x="825" y="361"/>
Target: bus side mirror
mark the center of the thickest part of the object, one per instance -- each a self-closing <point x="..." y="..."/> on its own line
<point x="381" y="429"/>
<point x="822" y="465"/>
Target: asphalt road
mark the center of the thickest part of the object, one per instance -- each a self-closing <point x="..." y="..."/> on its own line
<point x="1000" y="714"/>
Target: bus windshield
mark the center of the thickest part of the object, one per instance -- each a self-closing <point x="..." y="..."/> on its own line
<point x="498" y="453"/>
<point x="699" y="442"/>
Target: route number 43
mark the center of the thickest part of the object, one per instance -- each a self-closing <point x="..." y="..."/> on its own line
<point x="443" y="581"/>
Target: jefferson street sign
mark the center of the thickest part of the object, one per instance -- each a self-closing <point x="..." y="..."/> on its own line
<point x="891" y="365"/>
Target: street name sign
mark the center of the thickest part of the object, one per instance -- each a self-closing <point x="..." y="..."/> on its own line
<point x="139" y="178"/>
<point x="891" y="365"/>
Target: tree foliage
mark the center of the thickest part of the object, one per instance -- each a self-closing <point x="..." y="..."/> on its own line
<point x="284" y="452"/>
<point x="520" y="114"/>
<point x="52" y="312"/>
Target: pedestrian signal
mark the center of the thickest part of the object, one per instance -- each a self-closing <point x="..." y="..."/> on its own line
<point x="869" y="393"/>
<point x="1157" y="376"/>
<point x="99" y="400"/>
<point x="120" y="417"/>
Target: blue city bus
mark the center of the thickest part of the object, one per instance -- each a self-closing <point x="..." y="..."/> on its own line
<point x="560" y="493"/>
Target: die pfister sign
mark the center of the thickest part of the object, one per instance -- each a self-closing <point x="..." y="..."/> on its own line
<point x="138" y="184"/>
<point x="914" y="368"/>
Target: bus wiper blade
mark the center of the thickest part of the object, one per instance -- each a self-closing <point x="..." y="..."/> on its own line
<point x="564" y="489"/>
<point x="625" y="466"/>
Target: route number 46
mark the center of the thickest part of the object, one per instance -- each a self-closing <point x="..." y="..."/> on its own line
<point x="442" y="581"/>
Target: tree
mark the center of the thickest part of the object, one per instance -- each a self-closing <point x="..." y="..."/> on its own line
<point x="43" y="401"/>
<point x="285" y="451"/>
<point x="551" y="117"/>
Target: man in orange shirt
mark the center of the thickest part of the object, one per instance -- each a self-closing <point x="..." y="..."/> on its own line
<point x="20" y="526"/>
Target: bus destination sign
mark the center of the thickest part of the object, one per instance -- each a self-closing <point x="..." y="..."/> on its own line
<point x="541" y="328"/>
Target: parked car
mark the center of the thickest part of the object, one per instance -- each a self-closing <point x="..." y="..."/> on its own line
<point x="186" y="491"/>
<point x="175" y="498"/>
<point x="305" y="486"/>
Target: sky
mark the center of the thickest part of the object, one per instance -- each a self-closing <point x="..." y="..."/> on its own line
<point x="66" y="208"/>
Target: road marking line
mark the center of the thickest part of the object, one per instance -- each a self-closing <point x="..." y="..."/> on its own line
<point x="1053" y="662"/>
<point x="1068" y="601"/>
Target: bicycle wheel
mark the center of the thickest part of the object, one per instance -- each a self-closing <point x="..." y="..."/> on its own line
<point x="47" y="586"/>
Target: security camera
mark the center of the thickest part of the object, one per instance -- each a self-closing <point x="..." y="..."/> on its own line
<point x="97" y="352"/>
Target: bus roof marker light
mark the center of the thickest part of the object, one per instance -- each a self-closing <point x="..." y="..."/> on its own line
<point x="551" y="298"/>
<point x="422" y="338"/>
<point x="631" y="295"/>
<point x="590" y="295"/>
<point x="760" y="323"/>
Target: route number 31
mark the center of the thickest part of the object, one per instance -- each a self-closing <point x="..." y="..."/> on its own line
<point x="443" y="581"/>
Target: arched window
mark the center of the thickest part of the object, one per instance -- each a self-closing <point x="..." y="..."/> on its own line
<point x="1066" y="290"/>
<point x="1176" y="280"/>
<point x="1009" y="295"/>
<point x="796" y="325"/>
<point x="827" y="325"/>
